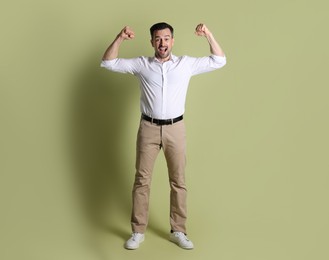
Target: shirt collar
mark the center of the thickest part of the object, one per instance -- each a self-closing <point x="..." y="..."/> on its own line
<point x="173" y="58"/>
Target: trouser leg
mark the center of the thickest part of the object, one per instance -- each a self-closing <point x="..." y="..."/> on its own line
<point x="174" y="147"/>
<point x="147" y="148"/>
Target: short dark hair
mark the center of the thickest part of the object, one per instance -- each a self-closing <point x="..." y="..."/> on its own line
<point x="161" y="26"/>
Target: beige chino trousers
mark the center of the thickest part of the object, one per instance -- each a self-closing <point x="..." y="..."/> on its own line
<point x="150" y="139"/>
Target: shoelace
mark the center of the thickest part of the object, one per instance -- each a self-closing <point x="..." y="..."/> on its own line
<point x="136" y="236"/>
<point x="181" y="236"/>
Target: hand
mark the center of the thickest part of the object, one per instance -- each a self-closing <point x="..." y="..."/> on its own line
<point x="202" y="30"/>
<point x="126" y="33"/>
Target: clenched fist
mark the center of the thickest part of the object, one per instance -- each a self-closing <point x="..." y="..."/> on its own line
<point x="127" y="33"/>
<point x="202" y="30"/>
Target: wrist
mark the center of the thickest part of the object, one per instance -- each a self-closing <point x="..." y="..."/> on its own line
<point x="209" y="36"/>
<point x="120" y="38"/>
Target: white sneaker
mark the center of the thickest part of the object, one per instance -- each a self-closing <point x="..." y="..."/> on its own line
<point x="181" y="240"/>
<point x="134" y="241"/>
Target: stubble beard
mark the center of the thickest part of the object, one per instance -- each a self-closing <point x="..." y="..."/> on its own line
<point x="163" y="55"/>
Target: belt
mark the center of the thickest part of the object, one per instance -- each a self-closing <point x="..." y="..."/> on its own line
<point x="162" y="121"/>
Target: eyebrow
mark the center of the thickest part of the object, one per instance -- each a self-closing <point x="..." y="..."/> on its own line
<point x="163" y="36"/>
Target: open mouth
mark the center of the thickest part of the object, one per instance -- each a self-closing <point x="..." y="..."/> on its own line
<point x="162" y="49"/>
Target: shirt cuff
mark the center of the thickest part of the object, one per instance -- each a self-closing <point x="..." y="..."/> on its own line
<point x="107" y="63"/>
<point x="218" y="58"/>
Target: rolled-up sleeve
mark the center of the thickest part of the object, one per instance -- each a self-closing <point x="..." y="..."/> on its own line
<point x="107" y="64"/>
<point x="220" y="60"/>
<point x="121" y="65"/>
<point x="206" y="64"/>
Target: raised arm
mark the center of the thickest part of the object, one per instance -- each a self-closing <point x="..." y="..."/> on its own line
<point x="113" y="50"/>
<point x="215" y="49"/>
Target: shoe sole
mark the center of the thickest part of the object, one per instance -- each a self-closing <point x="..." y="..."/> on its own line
<point x="176" y="243"/>
<point x="133" y="248"/>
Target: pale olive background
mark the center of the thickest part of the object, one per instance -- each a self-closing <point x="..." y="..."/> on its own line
<point x="257" y="131"/>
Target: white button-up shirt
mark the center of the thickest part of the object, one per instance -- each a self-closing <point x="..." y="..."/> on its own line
<point x="164" y="85"/>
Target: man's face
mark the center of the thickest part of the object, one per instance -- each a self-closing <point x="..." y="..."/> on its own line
<point x="162" y="42"/>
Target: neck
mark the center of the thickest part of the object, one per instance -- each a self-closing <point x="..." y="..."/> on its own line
<point x="163" y="59"/>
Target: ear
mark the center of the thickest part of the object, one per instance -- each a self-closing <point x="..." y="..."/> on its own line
<point x="152" y="42"/>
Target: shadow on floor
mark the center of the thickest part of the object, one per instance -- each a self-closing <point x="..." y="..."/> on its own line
<point x="100" y="106"/>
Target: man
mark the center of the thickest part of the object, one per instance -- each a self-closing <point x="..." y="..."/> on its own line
<point x="164" y="82"/>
